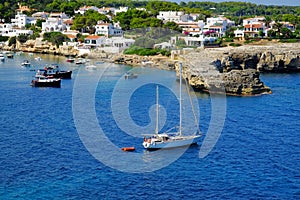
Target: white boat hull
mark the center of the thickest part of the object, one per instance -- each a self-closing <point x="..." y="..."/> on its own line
<point x="177" y="141"/>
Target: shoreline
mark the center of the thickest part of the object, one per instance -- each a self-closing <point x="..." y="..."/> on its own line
<point x="236" y="69"/>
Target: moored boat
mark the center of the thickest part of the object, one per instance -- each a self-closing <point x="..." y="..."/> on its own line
<point x="71" y="60"/>
<point x="26" y="63"/>
<point x="129" y="75"/>
<point x="2" y="58"/>
<point x="10" y="55"/>
<point x="54" y="71"/>
<point x="174" y="139"/>
<point x="43" y="81"/>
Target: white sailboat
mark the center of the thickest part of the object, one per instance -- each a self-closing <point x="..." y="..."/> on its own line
<point x="174" y="139"/>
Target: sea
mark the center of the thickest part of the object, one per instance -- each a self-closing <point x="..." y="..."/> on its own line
<point x="65" y="143"/>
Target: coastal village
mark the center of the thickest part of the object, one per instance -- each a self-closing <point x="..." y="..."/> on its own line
<point x="234" y="64"/>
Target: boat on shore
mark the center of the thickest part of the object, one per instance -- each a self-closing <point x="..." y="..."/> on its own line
<point x="43" y="81"/>
<point x="173" y="139"/>
<point x="54" y="71"/>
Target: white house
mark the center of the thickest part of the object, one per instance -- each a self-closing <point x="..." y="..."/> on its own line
<point x="21" y="20"/>
<point x="8" y="30"/>
<point x="254" y="28"/>
<point x="117" y="44"/>
<point x="121" y="9"/>
<point x="108" y="29"/>
<point x="174" y="16"/>
<point x="94" y="41"/>
<point x="253" y="20"/>
<point x="83" y="9"/>
<point x="40" y="15"/>
<point x="217" y="25"/>
<point x="53" y="24"/>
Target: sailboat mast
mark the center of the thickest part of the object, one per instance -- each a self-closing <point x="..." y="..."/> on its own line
<point x="157" y="110"/>
<point x="180" y="99"/>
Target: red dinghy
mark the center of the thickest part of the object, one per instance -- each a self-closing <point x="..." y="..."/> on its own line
<point x="128" y="148"/>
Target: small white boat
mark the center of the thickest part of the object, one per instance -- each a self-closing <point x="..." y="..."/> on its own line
<point x="2" y="58"/>
<point x="26" y="63"/>
<point x="80" y="61"/>
<point x="38" y="58"/>
<point x="91" y="67"/>
<point x="130" y="75"/>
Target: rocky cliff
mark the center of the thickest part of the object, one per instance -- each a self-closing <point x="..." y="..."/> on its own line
<point x="40" y="46"/>
<point x="236" y="71"/>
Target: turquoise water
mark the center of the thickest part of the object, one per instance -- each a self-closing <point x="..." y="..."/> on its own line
<point x="43" y="156"/>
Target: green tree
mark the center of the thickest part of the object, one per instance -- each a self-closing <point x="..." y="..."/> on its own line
<point x="261" y="34"/>
<point x="56" y="38"/>
<point x="87" y="22"/>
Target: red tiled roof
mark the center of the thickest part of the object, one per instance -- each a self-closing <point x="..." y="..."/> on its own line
<point x="93" y="37"/>
<point x="253" y="26"/>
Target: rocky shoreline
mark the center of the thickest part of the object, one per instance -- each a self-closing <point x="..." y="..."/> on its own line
<point x="233" y="70"/>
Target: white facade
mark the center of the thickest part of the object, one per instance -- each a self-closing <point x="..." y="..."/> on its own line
<point x="94" y="41"/>
<point x="174" y="16"/>
<point x="108" y="29"/>
<point x="253" y="20"/>
<point x="218" y="25"/>
<point x="121" y="9"/>
<point x="21" y="20"/>
<point x="83" y="9"/>
<point x="10" y="31"/>
<point x="53" y="24"/>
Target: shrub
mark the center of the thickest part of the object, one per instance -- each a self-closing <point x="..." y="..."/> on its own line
<point x="234" y="44"/>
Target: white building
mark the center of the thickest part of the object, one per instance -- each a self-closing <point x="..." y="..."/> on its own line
<point x="11" y="31"/>
<point x="253" y="20"/>
<point x="108" y="29"/>
<point x="94" y="41"/>
<point x="117" y="44"/>
<point x="21" y="20"/>
<point x="174" y="16"/>
<point x="53" y="24"/>
<point x="40" y="15"/>
<point x="83" y="9"/>
<point x="217" y="25"/>
<point x="121" y="9"/>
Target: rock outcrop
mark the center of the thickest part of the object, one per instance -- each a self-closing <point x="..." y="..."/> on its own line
<point x="40" y="46"/>
<point x="236" y="71"/>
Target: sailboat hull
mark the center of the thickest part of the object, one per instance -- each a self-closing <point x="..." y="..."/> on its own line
<point x="172" y="142"/>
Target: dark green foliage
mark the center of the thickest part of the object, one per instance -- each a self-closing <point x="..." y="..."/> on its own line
<point x="22" y="38"/>
<point x="55" y="38"/>
<point x="12" y="41"/>
<point x="3" y="38"/>
<point x="86" y="22"/>
<point x="234" y="44"/>
<point x="146" y="51"/>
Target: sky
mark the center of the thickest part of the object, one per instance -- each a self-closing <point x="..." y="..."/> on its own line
<point x="264" y="2"/>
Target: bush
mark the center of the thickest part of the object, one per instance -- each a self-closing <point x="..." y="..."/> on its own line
<point x="56" y="38"/>
<point x="3" y="38"/>
<point x="12" y="41"/>
<point x="234" y="44"/>
<point x="146" y="51"/>
<point x="288" y="40"/>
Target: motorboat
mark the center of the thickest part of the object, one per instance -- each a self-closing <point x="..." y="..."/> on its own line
<point x="26" y="63"/>
<point x="54" y="71"/>
<point x="43" y="81"/>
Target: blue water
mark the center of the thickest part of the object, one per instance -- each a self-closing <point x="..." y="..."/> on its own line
<point x="43" y="157"/>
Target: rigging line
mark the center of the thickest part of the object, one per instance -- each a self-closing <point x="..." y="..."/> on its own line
<point x="190" y="98"/>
